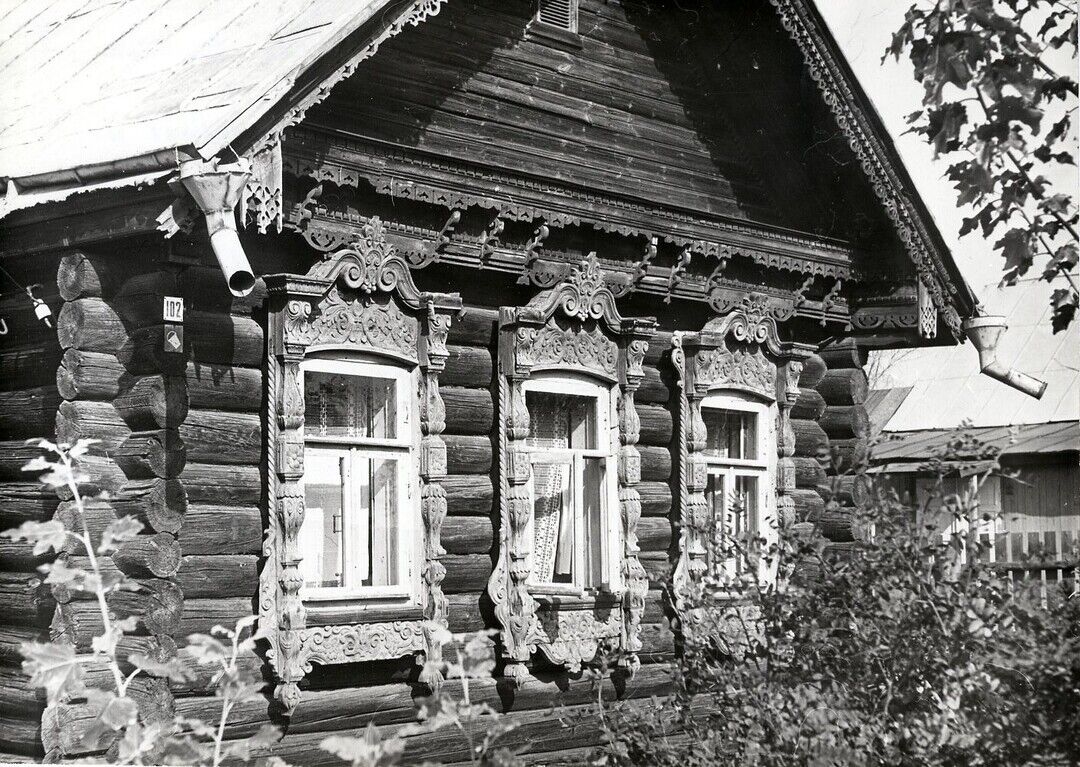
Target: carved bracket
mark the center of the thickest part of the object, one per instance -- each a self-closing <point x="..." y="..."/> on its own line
<point x="575" y="327"/>
<point x="362" y="299"/>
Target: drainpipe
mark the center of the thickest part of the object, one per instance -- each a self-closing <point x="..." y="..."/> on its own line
<point x="216" y="189"/>
<point x="984" y="333"/>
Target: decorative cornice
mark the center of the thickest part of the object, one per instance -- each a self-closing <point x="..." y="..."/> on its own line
<point x="873" y="155"/>
<point x="415" y="175"/>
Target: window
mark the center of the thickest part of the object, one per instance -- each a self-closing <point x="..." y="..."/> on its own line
<point x="358" y="480"/>
<point x="574" y="527"/>
<point x="561" y="14"/>
<point x="737" y="461"/>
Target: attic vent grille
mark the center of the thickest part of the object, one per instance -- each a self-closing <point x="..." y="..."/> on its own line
<point x="561" y="14"/>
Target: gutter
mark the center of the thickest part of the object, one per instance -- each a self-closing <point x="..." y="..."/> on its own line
<point x="984" y="333"/>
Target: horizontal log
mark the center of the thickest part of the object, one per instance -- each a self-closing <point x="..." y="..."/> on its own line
<point x="148" y="454"/>
<point x="21" y="735"/>
<point x="98" y="421"/>
<point x="845" y="421"/>
<point x="468" y="494"/>
<point x="24" y="599"/>
<point x="221" y="436"/>
<point x="474" y="326"/>
<point x="206" y="286"/>
<point x="20" y="557"/>
<point x="13" y="637"/>
<point x="809" y="406"/>
<point x="808" y="472"/>
<point x="844" y="387"/>
<point x="467" y="454"/>
<point x="201" y="615"/>
<point x="208" y="483"/>
<point x="656" y="425"/>
<point x="655" y="498"/>
<point x="839" y="525"/>
<point x="809" y="504"/>
<point x="65" y="727"/>
<point x="847" y="454"/>
<point x="89" y="375"/>
<point x="82" y="274"/>
<point x="14" y="455"/>
<point x="28" y="366"/>
<point x="223" y="338"/>
<point x="25" y="501"/>
<point x="464" y="613"/>
<point x="221" y="530"/>
<point x="159" y="610"/>
<point x="659" y="348"/>
<point x="468" y="366"/>
<point x="157" y="555"/>
<point x="90" y="324"/>
<point x="468" y="411"/>
<point x="467" y="535"/>
<point x="160" y="504"/>
<point x="147" y="351"/>
<point x="466" y="572"/>
<point x="655" y="463"/>
<point x="849" y="489"/>
<point x="810" y="439"/>
<point x="219" y="576"/>
<point x="843" y="354"/>
<point x="654" y="387"/>
<point x="813" y="371"/>
<point x="224" y="387"/>
<point x="28" y="412"/>
<point x="138" y="300"/>
<point x="16" y="693"/>
<point x="203" y="679"/>
<point x="153" y="402"/>
<point x="658" y="567"/>
<point x="654" y="534"/>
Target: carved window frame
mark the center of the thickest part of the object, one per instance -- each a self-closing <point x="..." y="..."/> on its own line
<point x="358" y="300"/>
<point x="574" y="328"/>
<point x="740" y="351"/>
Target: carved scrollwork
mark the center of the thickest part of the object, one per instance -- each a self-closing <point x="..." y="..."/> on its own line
<point x="362" y="299"/>
<point x="575" y="327"/>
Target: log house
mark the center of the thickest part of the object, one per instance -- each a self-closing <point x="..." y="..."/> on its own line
<point x="521" y="297"/>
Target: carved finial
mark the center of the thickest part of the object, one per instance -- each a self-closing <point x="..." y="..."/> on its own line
<point x="645" y="262"/>
<point x="533" y="245"/>
<point x="830" y="299"/>
<point x="489" y="240"/>
<point x="800" y="293"/>
<point x="678" y="269"/>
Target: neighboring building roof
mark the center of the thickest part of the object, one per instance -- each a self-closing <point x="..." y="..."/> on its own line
<point x="914" y="447"/>
<point x="946" y="387"/>
<point x="882" y="403"/>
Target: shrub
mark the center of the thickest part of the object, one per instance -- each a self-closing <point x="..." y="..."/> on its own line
<point x="908" y="651"/>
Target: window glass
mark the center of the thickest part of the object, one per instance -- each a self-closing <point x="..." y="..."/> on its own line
<point x="569" y="488"/>
<point x="561" y="420"/>
<point x="349" y="406"/>
<point x="730" y="434"/>
<point x="355" y="470"/>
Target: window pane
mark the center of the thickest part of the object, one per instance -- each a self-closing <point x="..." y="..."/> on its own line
<point x="562" y="420"/>
<point x="595" y="543"/>
<point x="553" y="522"/>
<point x="321" y="534"/>
<point x="349" y="406"/>
<point x="730" y="433"/>
<point x="745" y="511"/>
<point x="376" y="506"/>
<point x="715" y="496"/>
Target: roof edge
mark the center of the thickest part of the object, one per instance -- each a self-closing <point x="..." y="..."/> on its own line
<point x="869" y="139"/>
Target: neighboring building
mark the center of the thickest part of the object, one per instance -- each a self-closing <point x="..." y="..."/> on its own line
<point x="1035" y="528"/>
<point x="518" y="304"/>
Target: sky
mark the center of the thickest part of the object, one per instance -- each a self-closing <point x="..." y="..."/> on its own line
<point x="863" y="29"/>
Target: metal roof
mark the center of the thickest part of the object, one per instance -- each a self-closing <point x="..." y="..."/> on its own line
<point x="947" y="388"/>
<point x="1041" y="438"/>
<point x="128" y="82"/>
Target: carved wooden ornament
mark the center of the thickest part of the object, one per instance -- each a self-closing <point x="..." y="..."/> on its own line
<point x="359" y="299"/>
<point x="740" y="351"/>
<point x="576" y="328"/>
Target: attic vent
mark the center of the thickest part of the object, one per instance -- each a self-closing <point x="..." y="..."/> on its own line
<point x="561" y="14"/>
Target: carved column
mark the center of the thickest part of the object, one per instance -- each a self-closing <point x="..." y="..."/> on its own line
<point x="636" y="335"/>
<point x="787" y="392"/>
<point x="433" y="356"/>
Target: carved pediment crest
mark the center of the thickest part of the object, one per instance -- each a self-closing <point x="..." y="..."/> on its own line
<point x="737" y="366"/>
<point x="583" y="295"/>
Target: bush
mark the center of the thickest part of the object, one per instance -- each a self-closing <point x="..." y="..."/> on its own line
<point x="907" y="651"/>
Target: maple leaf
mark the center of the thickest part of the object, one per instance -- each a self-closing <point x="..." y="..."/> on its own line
<point x="55" y="667"/>
<point x="1015" y="247"/>
<point x="1064" y="303"/>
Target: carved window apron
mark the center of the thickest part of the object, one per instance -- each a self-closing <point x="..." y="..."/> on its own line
<point x="361" y="299"/>
<point x="573" y="329"/>
<point x="739" y="353"/>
